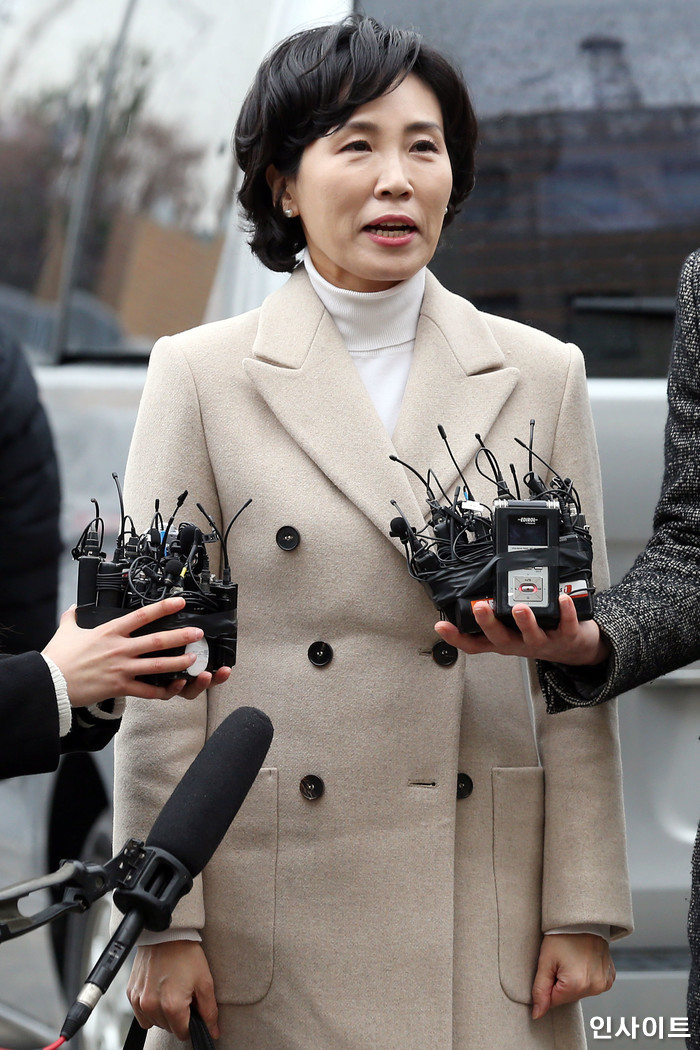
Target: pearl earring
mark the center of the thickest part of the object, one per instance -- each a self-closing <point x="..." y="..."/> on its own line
<point x="288" y="212"/>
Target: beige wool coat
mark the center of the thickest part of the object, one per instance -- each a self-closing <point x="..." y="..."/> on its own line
<point x="388" y="913"/>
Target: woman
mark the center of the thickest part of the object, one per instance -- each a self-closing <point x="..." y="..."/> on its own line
<point x="62" y="699"/>
<point x="388" y="879"/>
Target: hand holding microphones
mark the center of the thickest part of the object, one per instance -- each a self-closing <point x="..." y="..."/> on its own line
<point x="110" y="660"/>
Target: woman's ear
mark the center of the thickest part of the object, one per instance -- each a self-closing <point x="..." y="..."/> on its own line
<point x="279" y="185"/>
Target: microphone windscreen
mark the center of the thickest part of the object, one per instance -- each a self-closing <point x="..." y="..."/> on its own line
<point x="398" y="527"/>
<point x="197" y="815"/>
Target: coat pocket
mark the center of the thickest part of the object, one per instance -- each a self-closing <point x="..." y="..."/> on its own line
<point x="518" y="834"/>
<point x="239" y="899"/>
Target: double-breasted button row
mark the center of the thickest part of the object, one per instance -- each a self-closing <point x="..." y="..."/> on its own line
<point x="321" y="653"/>
<point x="312" y="786"/>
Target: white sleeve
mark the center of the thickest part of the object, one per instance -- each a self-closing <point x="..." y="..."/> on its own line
<point x="65" y="711"/>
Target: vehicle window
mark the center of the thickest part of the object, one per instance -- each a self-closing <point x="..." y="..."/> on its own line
<point x="116" y="167"/>
<point x="587" y="197"/>
<point x="585" y="205"/>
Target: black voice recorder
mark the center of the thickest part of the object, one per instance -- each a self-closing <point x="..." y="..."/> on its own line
<point x="519" y="551"/>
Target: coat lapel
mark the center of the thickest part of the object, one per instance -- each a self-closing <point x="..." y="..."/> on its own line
<point x="302" y="369"/>
<point x="459" y="378"/>
<point x="304" y="373"/>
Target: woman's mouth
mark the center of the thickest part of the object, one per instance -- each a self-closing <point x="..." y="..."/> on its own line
<point x="391" y="230"/>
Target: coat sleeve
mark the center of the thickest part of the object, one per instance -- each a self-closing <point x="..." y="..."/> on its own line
<point x="652" y="617"/>
<point x="158" y="741"/>
<point x="29" y="508"/>
<point x="585" y="877"/>
<point x="29" y="741"/>
<point x="88" y="732"/>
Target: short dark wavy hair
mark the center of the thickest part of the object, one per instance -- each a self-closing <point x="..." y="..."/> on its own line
<point x="310" y="84"/>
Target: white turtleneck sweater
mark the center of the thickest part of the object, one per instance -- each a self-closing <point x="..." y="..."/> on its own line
<point x="379" y="330"/>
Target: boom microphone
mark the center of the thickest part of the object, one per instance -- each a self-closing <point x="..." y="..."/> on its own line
<point x="197" y="815"/>
<point x="184" y="837"/>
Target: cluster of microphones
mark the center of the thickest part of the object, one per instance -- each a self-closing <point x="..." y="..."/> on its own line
<point x="530" y="547"/>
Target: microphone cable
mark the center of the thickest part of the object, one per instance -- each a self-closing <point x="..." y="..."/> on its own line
<point x="200" y="1035"/>
<point x="52" y="1046"/>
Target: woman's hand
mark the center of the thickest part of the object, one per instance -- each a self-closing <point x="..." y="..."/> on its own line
<point x="165" y="979"/>
<point x="104" y="661"/>
<point x="570" y="967"/>
<point x="572" y="642"/>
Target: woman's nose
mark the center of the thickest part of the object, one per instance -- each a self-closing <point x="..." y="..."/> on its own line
<point x="392" y="179"/>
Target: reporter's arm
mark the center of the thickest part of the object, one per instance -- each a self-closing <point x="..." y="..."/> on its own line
<point x="29" y="741"/>
<point x="652" y="617"/>
<point x="105" y="661"/>
<point x="573" y="642"/>
<point x="95" y="664"/>
<point x="573" y="659"/>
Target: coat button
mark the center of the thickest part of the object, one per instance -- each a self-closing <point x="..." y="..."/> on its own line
<point x="311" y="787"/>
<point x="445" y="655"/>
<point x="288" y="538"/>
<point x="465" y="785"/>
<point x="320" y="654"/>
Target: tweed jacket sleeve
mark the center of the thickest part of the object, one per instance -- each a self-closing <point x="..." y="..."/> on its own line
<point x="652" y="617"/>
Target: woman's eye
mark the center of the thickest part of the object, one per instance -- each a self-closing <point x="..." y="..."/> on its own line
<point x="357" y="146"/>
<point x="425" y="146"/>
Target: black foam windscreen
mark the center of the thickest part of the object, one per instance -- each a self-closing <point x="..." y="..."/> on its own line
<point x="197" y="815"/>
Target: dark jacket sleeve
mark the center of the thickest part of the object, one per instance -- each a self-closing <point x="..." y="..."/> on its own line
<point x="29" y="509"/>
<point x="29" y="740"/>
<point x="652" y="617"/>
<point x="88" y="732"/>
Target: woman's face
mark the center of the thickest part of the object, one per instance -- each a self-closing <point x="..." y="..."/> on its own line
<point x="372" y="194"/>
